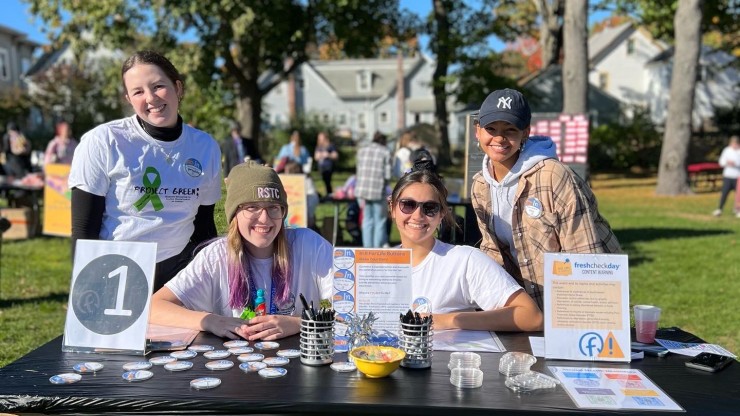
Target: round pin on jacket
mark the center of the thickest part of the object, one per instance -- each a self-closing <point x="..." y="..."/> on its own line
<point x="219" y="365"/>
<point x="65" y="378"/>
<point x="533" y="207"/>
<point x="183" y="355"/>
<point x="88" y="367"/>
<point x="137" y="365"/>
<point x="138" y="375"/>
<point x="216" y="354"/>
<point x="205" y="383"/>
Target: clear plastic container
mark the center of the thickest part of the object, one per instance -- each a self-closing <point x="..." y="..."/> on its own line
<point x="513" y="363"/>
<point x="464" y="360"/>
<point x="531" y="381"/>
<point x="466" y="378"/>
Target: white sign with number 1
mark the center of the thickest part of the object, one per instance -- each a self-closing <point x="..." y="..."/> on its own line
<point x="109" y="296"/>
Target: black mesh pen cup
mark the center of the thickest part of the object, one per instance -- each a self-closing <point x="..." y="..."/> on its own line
<point x="317" y="342"/>
<point x="415" y="339"/>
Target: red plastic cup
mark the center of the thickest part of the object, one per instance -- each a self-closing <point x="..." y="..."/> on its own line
<point x="646" y="323"/>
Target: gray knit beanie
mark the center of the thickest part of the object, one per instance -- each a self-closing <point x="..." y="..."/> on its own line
<point x="252" y="182"/>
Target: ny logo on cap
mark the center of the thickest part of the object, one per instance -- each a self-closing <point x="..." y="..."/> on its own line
<point x="504" y="102"/>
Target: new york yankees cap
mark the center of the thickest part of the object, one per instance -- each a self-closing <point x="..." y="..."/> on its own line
<point x="505" y="105"/>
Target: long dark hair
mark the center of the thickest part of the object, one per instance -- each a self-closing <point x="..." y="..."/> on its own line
<point x="424" y="171"/>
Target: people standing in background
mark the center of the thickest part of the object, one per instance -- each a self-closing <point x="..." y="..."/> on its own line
<point x="729" y="159"/>
<point x="237" y="149"/>
<point x="325" y="156"/>
<point x="527" y="202"/>
<point x="258" y="253"/>
<point x="373" y="174"/>
<point x="148" y="177"/>
<point x="294" y="151"/>
<point x="401" y="161"/>
<point x="62" y="147"/>
<point x="17" y="150"/>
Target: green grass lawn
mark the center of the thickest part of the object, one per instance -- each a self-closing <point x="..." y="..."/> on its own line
<point x="681" y="259"/>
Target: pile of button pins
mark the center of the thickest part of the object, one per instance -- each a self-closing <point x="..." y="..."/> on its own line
<point x="465" y="370"/>
<point x="516" y="366"/>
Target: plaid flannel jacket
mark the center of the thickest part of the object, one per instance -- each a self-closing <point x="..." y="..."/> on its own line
<point x="373" y="171"/>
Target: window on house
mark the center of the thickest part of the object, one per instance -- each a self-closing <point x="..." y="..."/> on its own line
<point x="702" y="73"/>
<point x="384" y="119"/>
<point x="25" y="65"/>
<point x="325" y="118"/>
<point x="417" y="118"/>
<point x="603" y="80"/>
<point x="4" y="65"/>
<point x="342" y="119"/>
<point x="630" y="46"/>
<point x="361" y="121"/>
<point x="364" y="81"/>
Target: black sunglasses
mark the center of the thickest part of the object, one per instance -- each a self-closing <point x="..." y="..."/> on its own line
<point x="429" y="208"/>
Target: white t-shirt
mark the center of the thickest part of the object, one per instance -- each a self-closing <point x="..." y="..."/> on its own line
<point x="203" y="285"/>
<point x="461" y="278"/>
<point x="152" y="188"/>
<point x="730" y="155"/>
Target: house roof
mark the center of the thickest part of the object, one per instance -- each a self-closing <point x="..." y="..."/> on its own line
<point x="20" y="36"/>
<point x="46" y="60"/>
<point x="601" y="43"/>
<point x="341" y="75"/>
<point x="707" y="56"/>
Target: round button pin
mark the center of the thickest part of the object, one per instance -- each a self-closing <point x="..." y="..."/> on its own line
<point x="183" y="355"/>
<point x="272" y="372"/>
<point x="179" y="366"/>
<point x="65" y="378"/>
<point x="162" y="360"/>
<point x="276" y="361"/>
<point x="88" y="367"/>
<point x="252" y="367"/>
<point x="235" y="343"/>
<point x="205" y="383"/>
<point x="267" y="345"/>
<point x="216" y="354"/>
<point x="250" y="357"/>
<point x="219" y="365"/>
<point x="201" y="348"/>
<point x="138" y="375"/>
<point x="137" y="365"/>
<point x="289" y="353"/>
<point x="343" y="367"/>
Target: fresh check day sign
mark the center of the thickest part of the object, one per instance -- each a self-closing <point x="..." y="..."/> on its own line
<point x="587" y="307"/>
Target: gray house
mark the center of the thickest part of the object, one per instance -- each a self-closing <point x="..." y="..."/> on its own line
<point x="359" y="97"/>
<point x="16" y="57"/>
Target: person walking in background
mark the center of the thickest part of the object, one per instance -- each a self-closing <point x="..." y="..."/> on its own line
<point x="258" y="252"/>
<point x="466" y="289"/>
<point x="527" y="202"/>
<point x="729" y="159"/>
<point x="17" y="150"/>
<point x="401" y="158"/>
<point x="294" y="151"/>
<point x="373" y="174"/>
<point x="148" y="177"/>
<point x="236" y="148"/>
<point x="62" y="147"/>
<point x="325" y="156"/>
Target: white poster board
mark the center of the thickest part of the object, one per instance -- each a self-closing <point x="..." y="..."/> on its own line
<point x="109" y="297"/>
<point x="371" y="280"/>
<point x="587" y="307"/>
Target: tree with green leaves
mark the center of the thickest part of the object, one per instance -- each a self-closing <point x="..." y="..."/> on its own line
<point x="252" y="45"/>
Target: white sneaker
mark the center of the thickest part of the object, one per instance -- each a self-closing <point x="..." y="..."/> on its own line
<point x="717" y="212"/>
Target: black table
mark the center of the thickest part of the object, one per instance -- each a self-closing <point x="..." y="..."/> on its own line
<point x="25" y="387"/>
<point x="36" y="194"/>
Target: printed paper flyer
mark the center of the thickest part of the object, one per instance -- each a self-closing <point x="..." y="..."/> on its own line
<point x="371" y="280"/>
<point x="612" y="389"/>
<point x="587" y="307"/>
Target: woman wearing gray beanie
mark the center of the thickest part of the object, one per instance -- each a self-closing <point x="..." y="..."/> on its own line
<point x="220" y="285"/>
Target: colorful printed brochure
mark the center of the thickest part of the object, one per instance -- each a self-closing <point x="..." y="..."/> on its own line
<point x="587" y="307"/>
<point x="371" y="280"/>
<point x="613" y="389"/>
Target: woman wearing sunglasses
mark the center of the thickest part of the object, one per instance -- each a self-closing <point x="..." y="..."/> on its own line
<point x="466" y="288"/>
<point x="213" y="291"/>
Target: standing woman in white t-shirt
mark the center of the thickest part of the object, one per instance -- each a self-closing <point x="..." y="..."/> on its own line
<point x="258" y="252"/>
<point x="148" y="177"/>
<point x="466" y="288"/>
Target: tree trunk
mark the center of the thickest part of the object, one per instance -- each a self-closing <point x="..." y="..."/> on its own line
<point x="249" y="111"/>
<point x="672" y="177"/>
<point x="551" y="12"/>
<point x="575" y="64"/>
<point x="438" y="79"/>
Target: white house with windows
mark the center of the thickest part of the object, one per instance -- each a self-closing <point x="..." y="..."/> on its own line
<point x="358" y="96"/>
<point x="628" y="64"/>
<point x="16" y="57"/>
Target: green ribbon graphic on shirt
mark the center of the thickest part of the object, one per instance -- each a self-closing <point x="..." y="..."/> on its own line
<point x="153" y="185"/>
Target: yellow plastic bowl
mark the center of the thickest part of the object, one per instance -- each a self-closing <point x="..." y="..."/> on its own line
<point x="377" y="361"/>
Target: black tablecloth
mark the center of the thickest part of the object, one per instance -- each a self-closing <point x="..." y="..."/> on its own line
<point x="25" y="387"/>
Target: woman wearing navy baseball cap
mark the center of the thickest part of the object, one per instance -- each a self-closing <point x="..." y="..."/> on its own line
<point x="527" y="202"/>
